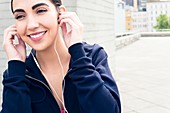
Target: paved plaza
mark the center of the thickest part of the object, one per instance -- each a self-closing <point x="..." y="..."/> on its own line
<point x="143" y="75"/>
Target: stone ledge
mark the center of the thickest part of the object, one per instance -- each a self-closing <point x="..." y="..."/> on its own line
<point x="155" y="34"/>
<point x="124" y="40"/>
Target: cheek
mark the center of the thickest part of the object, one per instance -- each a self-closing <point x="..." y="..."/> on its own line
<point x="21" y="28"/>
<point x="51" y="21"/>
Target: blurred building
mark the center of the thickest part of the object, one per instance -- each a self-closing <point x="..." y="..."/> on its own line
<point x="129" y="2"/>
<point x="136" y="5"/>
<point x="154" y="9"/>
<point x="129" y="20"/>
<point x="132" y="2"/>
<point x="120" y="26"/>
<point x="140" y="21"/>
<point x="142" y="5"/>
<point x="132" y="6"/>
<point x="137" y="17"/>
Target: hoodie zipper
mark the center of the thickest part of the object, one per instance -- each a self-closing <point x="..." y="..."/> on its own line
<point x="35" y="79"/>
<point x="63" y="87"/>
<point x="40" y="82"/>
<point x="43" y="84"/>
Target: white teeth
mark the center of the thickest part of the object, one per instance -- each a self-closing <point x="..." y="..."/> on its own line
<point x="38" y="35"/>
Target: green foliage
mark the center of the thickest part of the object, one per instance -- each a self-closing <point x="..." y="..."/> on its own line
<point x="163" y="22"/>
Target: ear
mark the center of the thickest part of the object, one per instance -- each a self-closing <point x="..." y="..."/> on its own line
<point x="62" y="9"/>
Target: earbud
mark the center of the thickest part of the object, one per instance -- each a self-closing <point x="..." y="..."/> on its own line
<point x="58" y="14"/>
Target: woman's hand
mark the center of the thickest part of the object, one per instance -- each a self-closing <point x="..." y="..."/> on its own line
<point x="14" y="51"/>
<point x="74" y="35"/>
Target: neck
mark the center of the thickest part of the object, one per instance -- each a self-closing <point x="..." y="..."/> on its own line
<point x="51" y="57"/>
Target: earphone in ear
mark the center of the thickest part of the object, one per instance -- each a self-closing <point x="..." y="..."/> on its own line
<point x="59" y="12"/>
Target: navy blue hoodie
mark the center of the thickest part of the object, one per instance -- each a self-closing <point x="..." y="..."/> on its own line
<point x="89" y="85"/>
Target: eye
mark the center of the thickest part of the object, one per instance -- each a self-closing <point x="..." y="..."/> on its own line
<point x="19" y="17"/>
<point x="41" y="11"/>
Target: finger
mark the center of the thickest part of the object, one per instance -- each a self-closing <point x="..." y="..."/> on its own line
<point x="69" y="22"/>
<point x="71" y="15"/>
<point x="8" y="30"/>
<point x="10" y="35"/>
<point x="13" y="25"/>
<point x="64" y="29"/>
<point x="8" y="40"/>
<point x="11" y="28"/>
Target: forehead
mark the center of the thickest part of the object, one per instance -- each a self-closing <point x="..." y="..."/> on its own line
<point x="21" y="4"/>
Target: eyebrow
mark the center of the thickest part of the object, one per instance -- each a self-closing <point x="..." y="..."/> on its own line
<point x="18" y="10"/>
<point x="33" y="7"/>
<point x="39" y="4"/>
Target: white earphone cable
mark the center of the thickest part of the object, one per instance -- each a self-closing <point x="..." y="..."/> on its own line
<point x="62" y="72"/>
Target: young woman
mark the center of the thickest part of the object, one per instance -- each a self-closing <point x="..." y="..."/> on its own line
<point x="62" y="73"/>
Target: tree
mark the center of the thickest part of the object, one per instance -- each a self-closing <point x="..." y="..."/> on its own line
<point x="169" y="23"/>
<point x="163" y="22"/>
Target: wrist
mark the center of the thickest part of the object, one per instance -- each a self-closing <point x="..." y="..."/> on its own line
<point x="75" y="42"/>
<point x="16" y="68"/>
<point x="16" y="59"/>
<point x="76" y="51"/>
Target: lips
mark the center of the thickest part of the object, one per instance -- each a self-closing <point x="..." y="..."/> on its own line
<point x="37" y="36"/>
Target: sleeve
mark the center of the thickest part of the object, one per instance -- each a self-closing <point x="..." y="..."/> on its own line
<point x="96" y="89"/>
<point x="16" y="97"/>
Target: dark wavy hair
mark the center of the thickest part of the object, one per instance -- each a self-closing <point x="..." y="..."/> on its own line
<point x="55" y="2"/>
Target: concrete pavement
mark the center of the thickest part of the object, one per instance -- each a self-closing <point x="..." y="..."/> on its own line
<point x="143" y="75"/>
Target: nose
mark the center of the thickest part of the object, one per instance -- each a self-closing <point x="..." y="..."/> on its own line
<point x="32" y="23"/>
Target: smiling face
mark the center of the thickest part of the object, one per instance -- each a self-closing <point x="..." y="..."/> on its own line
<point x="36" y="22"/>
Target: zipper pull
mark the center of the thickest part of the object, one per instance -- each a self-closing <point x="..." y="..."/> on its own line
<point x="62" y="111"/>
